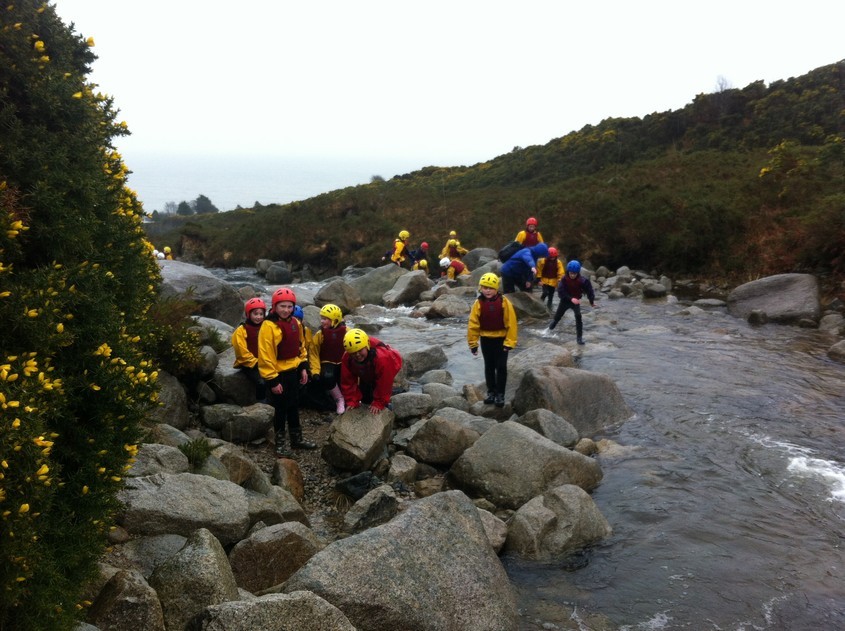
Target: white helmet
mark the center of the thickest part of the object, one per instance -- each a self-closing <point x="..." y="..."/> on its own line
<point x="444" y="262"/>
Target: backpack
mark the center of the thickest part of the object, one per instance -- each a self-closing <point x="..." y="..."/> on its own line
<point x="509" y="250"/>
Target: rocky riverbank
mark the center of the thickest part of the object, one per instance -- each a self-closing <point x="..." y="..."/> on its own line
<point x="344" y="533"/>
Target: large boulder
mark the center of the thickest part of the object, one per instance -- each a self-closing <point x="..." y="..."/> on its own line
<point x="440" y="441"/>
<point x="373" y="285"/>
<point x="197" y="576"/>
<point x="281" y="612"/>
<point x="431" y="567"/>
<point x="448" y="306"/>
<point x="357" y="439"/>
<point x="232" y="384"/>
<point x="510" y="464"/>
<point x="589" y="401"/>
<point x="338" y="292"/>
<point x="172" y="406"/>
<point x="407" y="289"/>
<point x="561" y="520"/>
<point x="181" y="503"/>
<point x="127" y="602"/>
<point x="215" y="298"/>
<point x="528" y="305"/>
<point x="784" y="298"/>
<point x="271" y="555"/>
<point x="420" y="361"/>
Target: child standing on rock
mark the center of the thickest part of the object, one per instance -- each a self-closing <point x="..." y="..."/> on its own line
<point x="283" y="364"/>
<point x="326" y="353"/>
<point x="550" y="273"/>
<point x="492" y="323"/>
<point x="570" y="289"/>
<point x="245" y="343"/>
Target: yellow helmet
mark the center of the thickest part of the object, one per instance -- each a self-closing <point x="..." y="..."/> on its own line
<point x="489" y="280"/>
<point x="332" y="313"/>
<point x="355" y="340"/>
<point x="423" y="264"/>
<point x="167" y="249"/>
<point x="452" y="243"/>
<point x="453" y="234"/>
<point x="404" y="234"/>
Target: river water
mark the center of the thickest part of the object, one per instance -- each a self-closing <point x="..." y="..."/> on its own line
<point x="725" y="491"/>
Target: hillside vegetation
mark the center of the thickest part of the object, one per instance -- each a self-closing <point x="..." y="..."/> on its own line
<point x="742" y="182"/>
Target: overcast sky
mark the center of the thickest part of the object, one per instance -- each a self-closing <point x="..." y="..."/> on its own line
<point x="449" y="81"/>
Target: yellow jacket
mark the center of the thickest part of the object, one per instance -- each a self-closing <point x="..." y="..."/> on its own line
<point x="520" y="236"/>
<point x="269" y="338"/>
<point x="243" y="356"/>
<point x="551" y="282"/>
<point x="474" y="331"/>
<point x="446" y="252"/>
<point x="399" y="252"/>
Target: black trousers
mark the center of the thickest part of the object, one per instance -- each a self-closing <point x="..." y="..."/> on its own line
<point x="576" y="309"/>
<point x="255" y="377"/>
<point x="286" y="405"/>
<point x="495" y="363"/>
<point x="548" y="294"/>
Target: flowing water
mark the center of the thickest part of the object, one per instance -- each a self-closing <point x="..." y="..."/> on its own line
<point x="725" y="491"/>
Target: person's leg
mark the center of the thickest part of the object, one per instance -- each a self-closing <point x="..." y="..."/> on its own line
<point x="508" y="285"/>
<point x="579" y="327"/>
<point x="488" y="352"/>
<point x="330" y="377"/>
<point x="501" y="373"/>
<point x="561" y="309"/>
<point x="255" y="379"/>
<point x="290" y="382"/>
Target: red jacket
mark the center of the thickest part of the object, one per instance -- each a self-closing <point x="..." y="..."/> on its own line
<point x="379" y="369"/>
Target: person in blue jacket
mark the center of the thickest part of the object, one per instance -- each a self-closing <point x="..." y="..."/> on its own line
<point x="520" y="270"/>
<point x="570" y="289"/>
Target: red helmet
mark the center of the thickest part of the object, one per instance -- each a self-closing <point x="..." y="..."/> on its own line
<point x="254" y="303"/>
<point x="552" y="253"/>
<point x="283" y="294"/>
<point x="531" y="221"/>
<point x="424" y="245"/>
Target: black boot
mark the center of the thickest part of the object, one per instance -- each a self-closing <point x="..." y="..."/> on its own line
<point x="491" y="397"/>
<point x="281" y="450"/>
<point x="297" y="442"/>
<point x="500" y="400"/>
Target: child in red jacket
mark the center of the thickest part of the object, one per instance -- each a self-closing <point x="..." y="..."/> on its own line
<point x="367" y="371"/>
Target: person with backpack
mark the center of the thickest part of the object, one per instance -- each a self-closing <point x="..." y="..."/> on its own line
<point x="245" y="343"/>
<point x="549" y="274"/>
<point x="492" y="325"/>
<point x="400" y="248"/>
<point x="530" y="236"/>
<point x="283" y="364"/>
<point x="520" y="270"/>
<point x="570" y="289"/>
<point x="367" y="371"/>
<point x="326" y="353"/>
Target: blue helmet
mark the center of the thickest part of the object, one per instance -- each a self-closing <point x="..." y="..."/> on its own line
<point x="298" y="313"/>
<point x="573" y="266"/>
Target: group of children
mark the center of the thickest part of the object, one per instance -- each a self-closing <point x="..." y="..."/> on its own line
<point x="279" y="356"/>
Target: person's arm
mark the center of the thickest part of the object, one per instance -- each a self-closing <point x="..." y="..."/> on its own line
<point x="349" y="384"/>
<point x="510" y="324"/>
<point x="520" y="236"/>
<point x="383" y="387"/>
<point x="267" y="343"/>
<point x="588" y="289"/>
<point x="474" y="327"/>
<point x="314" y="352"/>
<point x="243" y="356"/>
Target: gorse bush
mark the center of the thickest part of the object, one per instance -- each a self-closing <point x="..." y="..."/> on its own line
<point x="77" y="282"/>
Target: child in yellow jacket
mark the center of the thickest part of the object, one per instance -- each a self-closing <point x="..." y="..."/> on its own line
<point x="245" y="343"/>
<point x="283" y="364"/>
<point x="492" y="324"/>
<point x="550" y="272"/>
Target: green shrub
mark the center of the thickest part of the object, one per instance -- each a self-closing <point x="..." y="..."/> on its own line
<point x="77" y="281"/>
<point x="197" y="451"/>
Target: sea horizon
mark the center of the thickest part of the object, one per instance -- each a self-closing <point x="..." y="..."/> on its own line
<point x="232" y="181"/>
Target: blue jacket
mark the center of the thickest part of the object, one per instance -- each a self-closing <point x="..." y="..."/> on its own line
<point x="519" y="265"/>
